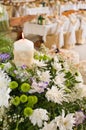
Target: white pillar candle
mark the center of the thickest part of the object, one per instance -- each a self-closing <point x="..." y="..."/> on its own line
<point x="23" y="52"/>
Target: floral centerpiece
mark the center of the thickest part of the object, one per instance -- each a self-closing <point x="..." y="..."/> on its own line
<point x="48" y="95"/>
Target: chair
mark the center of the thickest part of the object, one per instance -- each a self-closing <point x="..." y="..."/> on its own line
<point x="51" y="39"/>
<point x="62" y="26"/>
<point x="81" y="32"/>
<point x="70" y="36"/>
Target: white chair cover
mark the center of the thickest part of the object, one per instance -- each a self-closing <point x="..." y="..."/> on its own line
<point x="62" y="25"/>
<point x="83" y="28"/>
<point x="70" y="36"/>
<point x="72" y="28"/>
<point x="66" y="24"/>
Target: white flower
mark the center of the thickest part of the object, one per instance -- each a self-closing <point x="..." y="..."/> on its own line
<point x="79" y="78"/>
<point x="66" y="65"/>
<point x="38" y="116"/>
<point x="39" y="63"/>
<point x="57" y="66"/>
<point x="44" y="76"/>
<point x="7" y="66"/>
<point x="4" y="90"/>
<point x="59" y="79"/>
<point x="82" y="88"/>
<point x="4" y="96"/>
<point x="78" y="92"/>
<point x="55" y="95"/>
<point x="56" y="59"/>
<point x="50" y="126"/>
<point x="65" y="122"/>
<point x="2" y="112"/>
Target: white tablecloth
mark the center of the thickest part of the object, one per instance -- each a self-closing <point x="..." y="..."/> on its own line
<point x="42" y="30"/>
<point x="71" y="6"/>
<point x="81" y="6"/>
<point x="46" y="10"/>
<point x="67" y="7"/>
<point x="37" y="10"/>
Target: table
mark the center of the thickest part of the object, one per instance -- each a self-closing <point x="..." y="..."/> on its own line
<point x="42" y="30"/>
<point x="72" y="6"/>
<point x="37" y="10"/>
<point x="65" y="7"/>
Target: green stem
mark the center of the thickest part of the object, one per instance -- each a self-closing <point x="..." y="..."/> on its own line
<point x="17" y="125"/>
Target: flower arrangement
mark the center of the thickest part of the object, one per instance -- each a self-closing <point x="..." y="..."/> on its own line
<point x="48" y="95"/>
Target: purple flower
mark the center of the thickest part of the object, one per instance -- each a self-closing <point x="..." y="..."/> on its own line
<point x="38" y="87"/>
<point x="4" y="57"/>
<point x="31" y="79"/>
<point x="43" y="84"/>
<point x="23" y="66"/>
<point x="79" y="117"/>
<point x="15" y="71"/>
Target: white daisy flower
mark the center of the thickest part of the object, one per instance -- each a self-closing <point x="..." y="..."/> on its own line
<point x="50" y="126"/>
<point x="55" y="95"/>
<point x="59" y="79"/>
<point x="56" y="59"/>
<point x="38" y="116"/>
<point x="77" y="93"/>
<point x="4" y="96"/>
<point x="74" y="95"/>
<point x="7" y="66"/>
<point x="44" y="76"/>
<point x="79" y="78"/>
<point x="56" y="65"/>
<point x="4" y="90"/>
<point x="39" y="63"/>
<point x="82" y="89"/>
<point x="65" y="122"/>
<point x="66" y="65"/>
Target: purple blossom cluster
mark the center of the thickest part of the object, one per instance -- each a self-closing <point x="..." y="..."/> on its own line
<point x="79" y="117"/>
<point x="39" y="87"/>
<point x="4" y="57"/>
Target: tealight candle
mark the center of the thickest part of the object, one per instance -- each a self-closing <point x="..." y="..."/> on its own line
<point x="23" y="52"/>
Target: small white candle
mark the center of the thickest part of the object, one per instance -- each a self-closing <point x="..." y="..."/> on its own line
<point x="23" y="52"/>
